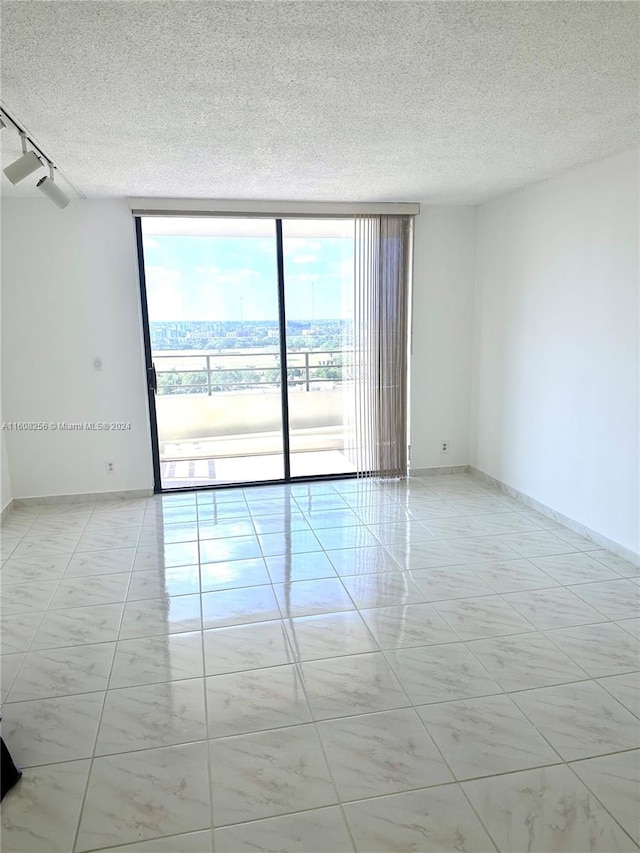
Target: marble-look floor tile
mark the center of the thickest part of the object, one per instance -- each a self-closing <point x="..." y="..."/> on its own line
<point x="100" y="519"/>
<point x="226" y="529"/>
<point x="362" y="561"/>
<point x="17" y="632"/>
<point x="545" y="810"/>
<point x="9" y="666"/>
<point x="603" y="649"/>
<point x="576" y="540"/>
<point x="476" y="618"/>
<point x="34" y="569"/>
<point x="423" y="555"/>
<point x="525" y="660"/>
<point x="78" y="592"/>
<point x="454" y="528"/>
<point x="42" y="811"/>
<point x="631" y="626"/>
<point x="42" y="545"/>
<point x="27" y="597"/>
<point x="615" y="780"/>
<point x="316" y="831"/>
<point x="541" y="544"/>
<point x="574" y="568"/>
<point x="332" y="518"/>
<point x="613" y="561"/>
<point x="150" y="660"/>
<point x="615" y="599"/>
<point x="440" y="673"/>
<point x="45" y="731"/>
<point x="512" y="575"/>
<point x="287" y="568"/>
<point x="346" y="537"/>
<point x="359" y="684"/>
<point x="278" y="523"/>
<point x="78" y="626"/>
<point x="408" y="625"/>
<point x="543" y="521"/>
<point x="375" y="514"/>
<point x="226" y="550"/>
<point x="478" y="504"/>
<point x="580" y="720"/>
<point x="625" y="688"/>
<point x="147" y="794"/>
<point x="104" y="540"/>
<point x="62" y="672"/>
<point x="254" y="700"/>
<point x="437" y="820"/>
<point x="477" y="548"/>
<point x="156" y="583"/>
<point x="306" y="598"/>
<point x="265" y="774"/>
<point x="444" y="582"/>
<point x="210" y="511"/>
<point x="244" y="647"/>
<point x="149" y="557"/>
<point x="426" y="511"/>
<point x="329" y="635"/>
<point x="553" y="608"/>
<point x="384" y="589"/>
<point x="291" y="542"/>
<point x="239" y="606"/>
<point x="233" y="574"/>
<point x="101" y="562"/>
<point x="154" y="616"/>
<point x="383" y="753"/>
<point x="152" y="715"/>
<point x="191" y="842"/>
<point x="497" y="523"/>
<point x="482" y="737"/>
<point x="398" y="533"/>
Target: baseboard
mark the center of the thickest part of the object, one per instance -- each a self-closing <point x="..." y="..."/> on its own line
<point x="446" y="469"/>
<point x="84" y="498"/>
<point x="7" y="510"/>
<point x="571" y="523"/>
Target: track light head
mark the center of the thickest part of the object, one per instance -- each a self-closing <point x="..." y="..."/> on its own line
<point x="23" y="167"/>
<point x="52" y="191"/>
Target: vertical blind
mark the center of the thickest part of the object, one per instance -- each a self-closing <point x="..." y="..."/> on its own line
<point x="382" y="269"/>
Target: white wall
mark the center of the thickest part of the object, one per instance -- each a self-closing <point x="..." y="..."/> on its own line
<point x="556" y="384"/>
<point x="69" y="295"/>
<point x="6" y="490"/>
<point x="444" y="252"/>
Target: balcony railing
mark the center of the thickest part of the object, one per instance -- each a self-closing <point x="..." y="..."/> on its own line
<point x="192" y="372"/>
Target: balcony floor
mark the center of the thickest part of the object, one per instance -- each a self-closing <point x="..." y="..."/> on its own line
<point x="194" y="472"/>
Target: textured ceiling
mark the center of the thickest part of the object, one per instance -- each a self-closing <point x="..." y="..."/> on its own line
<point x="441" y="102"/>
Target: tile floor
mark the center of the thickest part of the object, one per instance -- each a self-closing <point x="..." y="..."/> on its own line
<point x="417" y="666"/>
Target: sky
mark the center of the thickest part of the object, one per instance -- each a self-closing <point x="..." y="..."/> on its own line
<point x="235" y="278"/>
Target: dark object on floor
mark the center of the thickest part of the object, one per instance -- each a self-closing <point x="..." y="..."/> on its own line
<point x="8" y="771"/>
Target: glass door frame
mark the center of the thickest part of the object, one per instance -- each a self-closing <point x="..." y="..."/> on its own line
<point x="284" y="385"/>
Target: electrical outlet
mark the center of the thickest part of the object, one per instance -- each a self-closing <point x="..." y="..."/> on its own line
<point x="109" y="467"/>
<point x="444" y="447"/>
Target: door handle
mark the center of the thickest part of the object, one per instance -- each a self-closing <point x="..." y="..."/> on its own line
<point x="152" y="378"/>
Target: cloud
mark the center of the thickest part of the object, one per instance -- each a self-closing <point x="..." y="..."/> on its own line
<point x="159" y="275"/>
<point x="150" y="243"/>
<point x="303" y="259"/>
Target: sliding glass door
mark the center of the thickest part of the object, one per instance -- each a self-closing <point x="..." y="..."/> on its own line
<point x="249" y="338"/>
<point x="319" y="286"/>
